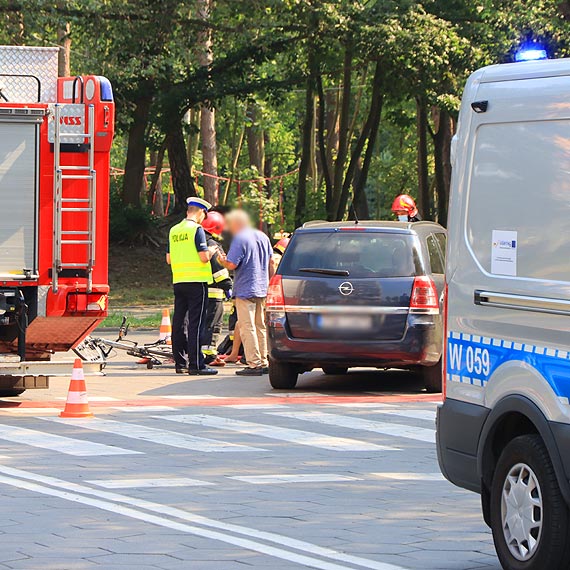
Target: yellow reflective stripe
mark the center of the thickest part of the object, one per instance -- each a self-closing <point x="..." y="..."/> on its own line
<point x="221" y="275"/>
<point x="214" y="293"/>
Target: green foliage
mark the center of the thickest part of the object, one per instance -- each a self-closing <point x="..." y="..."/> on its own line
<point x="127" y="224"/>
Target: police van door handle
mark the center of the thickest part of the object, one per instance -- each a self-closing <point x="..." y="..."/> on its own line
<point x="522" y="302"/>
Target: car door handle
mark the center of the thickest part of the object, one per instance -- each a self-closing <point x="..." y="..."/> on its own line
<point x="522" y="302"/>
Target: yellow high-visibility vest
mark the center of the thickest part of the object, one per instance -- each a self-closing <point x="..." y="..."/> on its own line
<point x="187" y="267"/>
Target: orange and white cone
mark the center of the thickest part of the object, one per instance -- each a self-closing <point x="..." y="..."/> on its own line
<point x="77" y="404"/>
<point x="165" y="327"/>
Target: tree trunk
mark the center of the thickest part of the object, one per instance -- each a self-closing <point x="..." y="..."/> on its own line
<point x="208" y="114"/>
<point x="307" y="137"/>
<point x="155" y="188"/>
<point x="255" y="140"/>
<point x="64" y="55"/>
<point x="373" y="120"/>
<point x="136" y="153"/>
<point x="179" y="167"/>
<point x="369" y="130"/>
<point x="342" y="135"/>
<point x="422" y="159"/>
<point x="442" y="156"/>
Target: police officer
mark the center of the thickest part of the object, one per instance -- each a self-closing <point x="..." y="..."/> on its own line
<point x="189" y="258"/>
<point x="405" y="208"/>
<point x="218" y="291"/>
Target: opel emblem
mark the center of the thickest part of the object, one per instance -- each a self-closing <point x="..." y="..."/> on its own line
<point x="346" y="288"/>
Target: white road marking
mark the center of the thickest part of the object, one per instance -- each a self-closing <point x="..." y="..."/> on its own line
<point x="95" y="399"/>
<point x="143" y="408"/>
<point x="147" y="483"/>
<point x="31" y="411"/>
<point x="62" y="444"/>
<point x="300" y="437"/>
<point x="427" y="415"/>
<point x="112" y="502"/>
<point x="410" y="476"/>
<point x="386" y="428"/>
<point x="258" y="407"/>
<point x="199" y="397"/>
<point x="154" y="435"/>
<point x="294" y="478"/>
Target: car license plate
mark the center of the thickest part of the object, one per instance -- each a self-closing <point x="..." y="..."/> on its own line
<point x="345" y="322"/>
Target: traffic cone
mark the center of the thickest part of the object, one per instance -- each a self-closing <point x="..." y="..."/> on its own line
<point x="77" y="405"/>
<point x="165" y="327"/>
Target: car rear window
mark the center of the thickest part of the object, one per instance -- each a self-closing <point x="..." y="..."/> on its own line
<point x="360" y="253"/>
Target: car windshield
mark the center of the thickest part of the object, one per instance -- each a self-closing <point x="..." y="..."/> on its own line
<point x="358" y="254"/>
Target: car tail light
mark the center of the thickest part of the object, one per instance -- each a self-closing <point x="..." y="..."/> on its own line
<point x="444" y="353"/>
<point x="93" y="303"/>
<point x="424" y="296"/>
<point x="275" y="296"/>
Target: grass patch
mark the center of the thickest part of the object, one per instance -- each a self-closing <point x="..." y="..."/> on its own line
<point x="114" y="320"/>
<point x="139" y="276"/>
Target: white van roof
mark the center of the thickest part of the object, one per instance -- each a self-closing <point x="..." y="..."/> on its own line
<point x="523" y="70"/>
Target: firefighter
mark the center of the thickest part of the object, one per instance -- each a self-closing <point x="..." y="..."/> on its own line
<point x="218" y="291"/>
<point x="405" y="208"/>
<point x="189" y="258"/>
<point x="278" y="251"/>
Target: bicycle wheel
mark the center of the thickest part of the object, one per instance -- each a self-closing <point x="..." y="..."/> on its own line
<point x="89" y="351"/>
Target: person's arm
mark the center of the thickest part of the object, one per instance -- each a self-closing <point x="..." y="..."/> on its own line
<point x="235" y="255"/>
<point x="168" y="258"/>
<point x="205" y="253"/>
<point x="272" y="268"/>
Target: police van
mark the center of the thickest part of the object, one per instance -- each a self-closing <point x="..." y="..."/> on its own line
<point x="504" y="426"/>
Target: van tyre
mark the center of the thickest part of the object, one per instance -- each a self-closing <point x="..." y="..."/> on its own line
<point x="529" y="517"/>
<point x="433" y="377"/>
<point x="335" y="370"/>
<point x="11" y="392"/>
<point x="282" y="375"/>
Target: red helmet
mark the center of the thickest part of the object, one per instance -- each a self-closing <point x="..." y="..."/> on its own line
<point x="281" y="245"/>
<point x="405" y="203"/>
<point x="214" y="224"/>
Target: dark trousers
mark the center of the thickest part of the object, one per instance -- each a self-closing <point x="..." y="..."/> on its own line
<point x="188" y="324"/>
<point x="214" y="323"/>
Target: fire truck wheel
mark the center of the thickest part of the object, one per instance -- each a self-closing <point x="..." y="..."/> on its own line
<point x="9" y="393"/>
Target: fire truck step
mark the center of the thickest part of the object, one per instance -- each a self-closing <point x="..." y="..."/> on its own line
<point x="75" y="135"/>
<point x="84" y="265"/>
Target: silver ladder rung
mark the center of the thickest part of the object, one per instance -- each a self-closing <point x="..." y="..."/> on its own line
<point x="64" y="167"/>
<point x="77" y="177"/>
<point x="76" y="241"/>
<point x="71" y="265"/>
<point x="77" y="209"/>
<point x="75" y="200"/>
<point x="75" y="135"/>
<point x="75" y="233"/>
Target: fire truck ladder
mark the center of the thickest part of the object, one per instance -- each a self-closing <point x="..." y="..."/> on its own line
<point x="65" y="205"/>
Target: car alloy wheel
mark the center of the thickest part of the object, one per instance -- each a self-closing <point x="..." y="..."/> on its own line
<point x="522" y="512"/>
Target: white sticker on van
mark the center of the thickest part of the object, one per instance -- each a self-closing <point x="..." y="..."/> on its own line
<point x="504" y="247"/>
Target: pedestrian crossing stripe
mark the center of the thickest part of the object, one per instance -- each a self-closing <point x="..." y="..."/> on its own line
<point x="158" y="436"/>
<point x="300" y="437"/>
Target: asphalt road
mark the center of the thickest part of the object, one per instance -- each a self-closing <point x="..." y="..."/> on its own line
<point x="181" y="473"/>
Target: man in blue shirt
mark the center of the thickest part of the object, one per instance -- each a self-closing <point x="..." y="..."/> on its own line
<point x="250" y="258"/>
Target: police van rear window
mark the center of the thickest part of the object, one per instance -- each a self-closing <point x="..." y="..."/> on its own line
<point x="352" y="254"/>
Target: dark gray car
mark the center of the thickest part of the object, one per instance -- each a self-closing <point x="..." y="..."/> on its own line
<point x="352" y="295"/>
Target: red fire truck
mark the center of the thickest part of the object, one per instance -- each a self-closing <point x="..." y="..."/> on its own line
<point x="55" y="141"/>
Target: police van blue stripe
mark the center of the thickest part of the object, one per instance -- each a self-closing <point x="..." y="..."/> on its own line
<point x="473" y="359"/>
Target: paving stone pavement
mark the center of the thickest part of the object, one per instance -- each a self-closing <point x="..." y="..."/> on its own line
<point x="277" y="505"/>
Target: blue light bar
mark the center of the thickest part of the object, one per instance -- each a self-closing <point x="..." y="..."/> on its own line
<point x="531" y="54"/>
